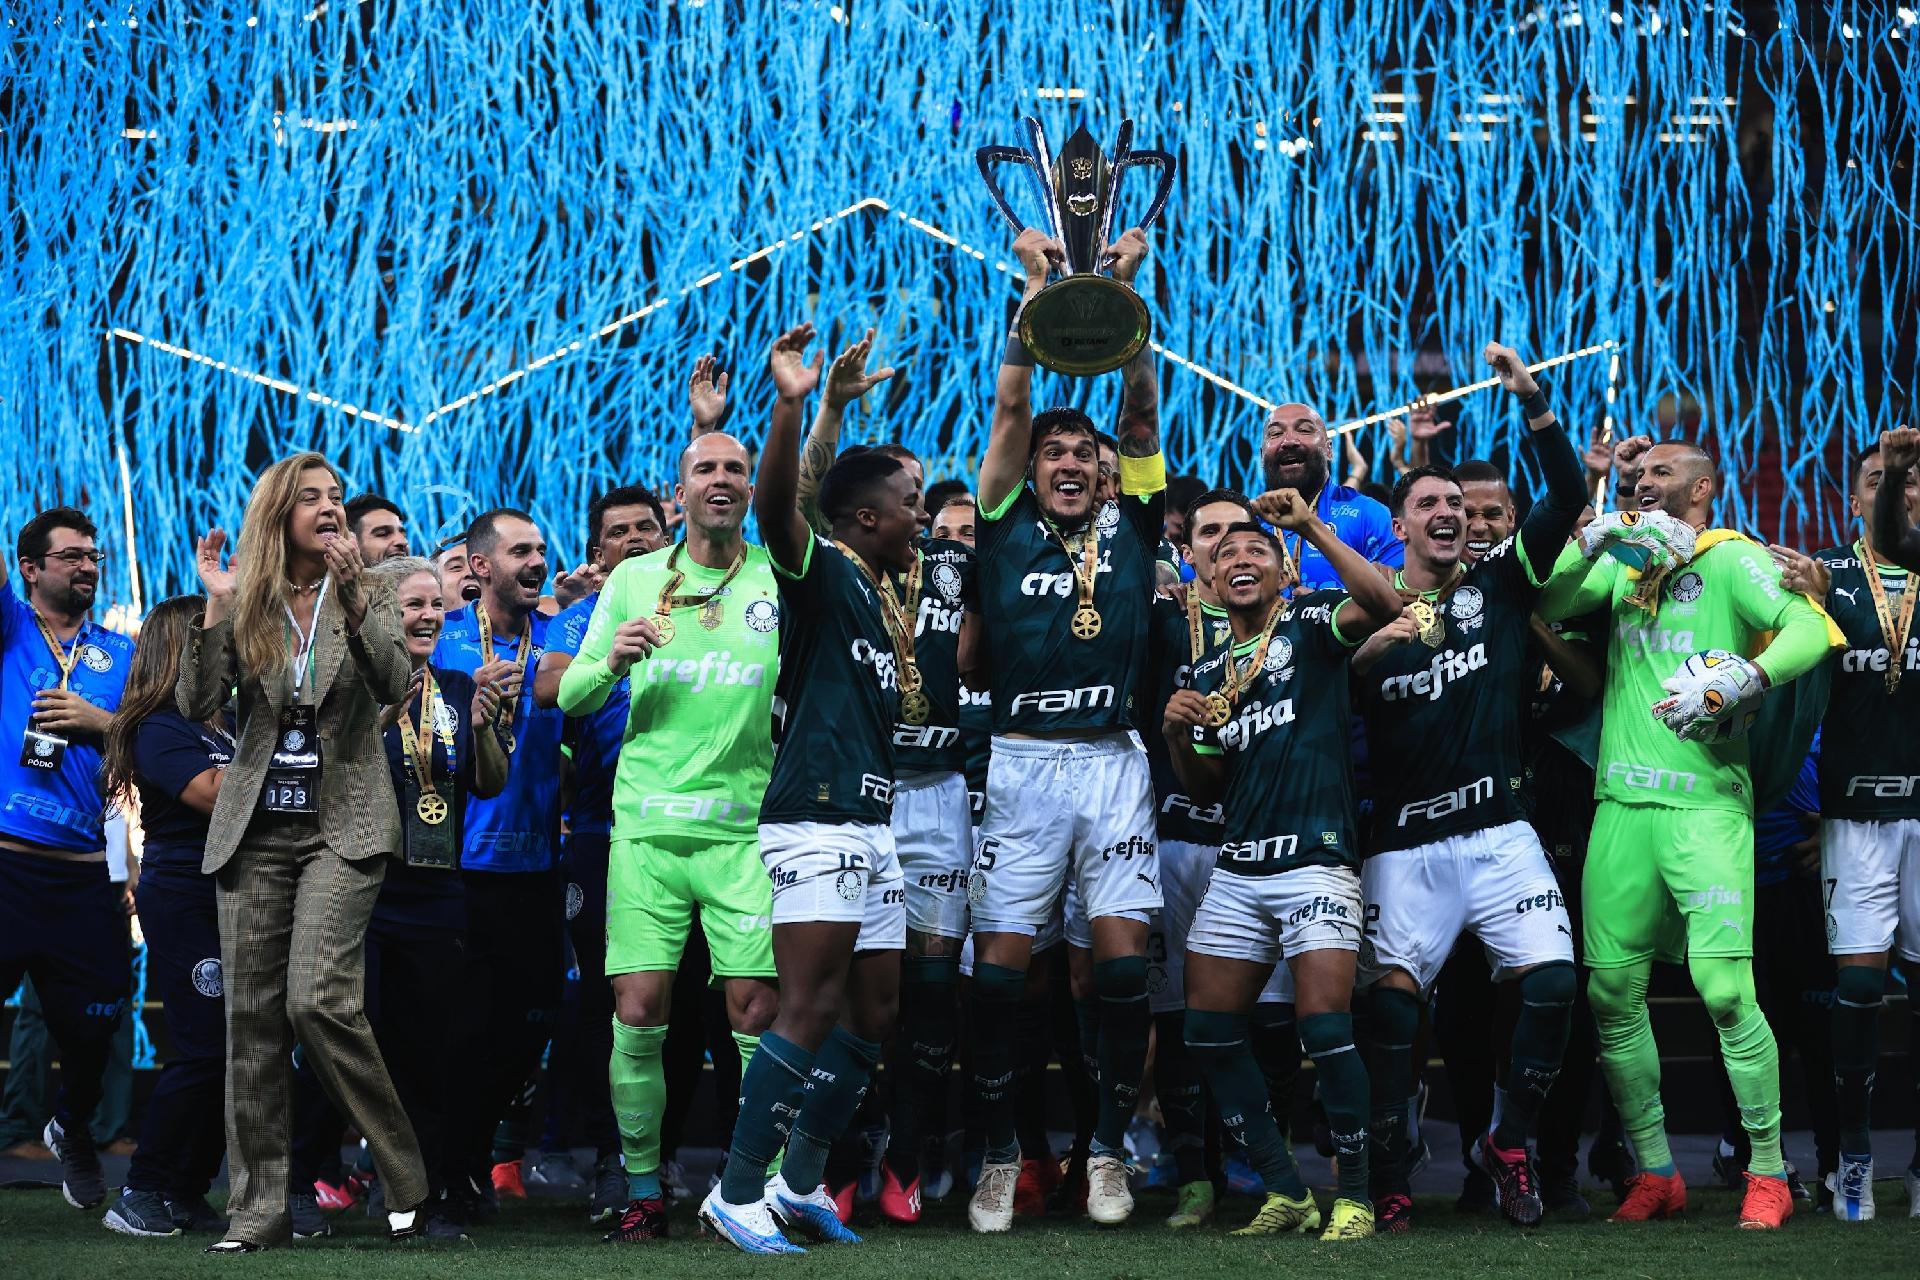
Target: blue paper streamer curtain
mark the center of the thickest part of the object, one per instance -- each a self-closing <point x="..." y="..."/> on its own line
<point x="470" y="250"/>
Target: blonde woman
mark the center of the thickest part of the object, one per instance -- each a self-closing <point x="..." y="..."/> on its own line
<point x="301" y="831"/>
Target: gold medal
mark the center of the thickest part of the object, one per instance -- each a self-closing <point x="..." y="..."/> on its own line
<point x="1219" y="710"/>
<point x="664" y="625"/>
<point x="708" y="603"/>
<point x="1086" y="622"/>
<point x="432" y="808"/>
<point x="1427" y="618"/>
<point x="915" y="707"/>
<point x="710" y="613"/>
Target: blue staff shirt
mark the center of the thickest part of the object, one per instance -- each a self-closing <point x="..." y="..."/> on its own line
<point x="1360" y="522"/>
<point x="595" y="738"/>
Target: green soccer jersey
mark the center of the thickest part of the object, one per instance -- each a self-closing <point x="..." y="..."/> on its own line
<point x="946" y="582"/>
<point x="698" y="746"/>
<point x="1289" y="794"/>
<point x="838" y="677"/>
<point x="1727" y="597"/>
<point x="1046" y="679"/>
<point x="1870" y="753"/>
<point x="1171" y="648"/>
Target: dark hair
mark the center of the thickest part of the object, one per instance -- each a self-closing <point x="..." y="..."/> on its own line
<point x="851" y="481"/>
<point x="1252" y="526"/>
<point x="625" y="495"/>
<point x="448" y="544"/>
<point x="1375" y="490"/>
<point x="150" y="687"/>
<point x="358" y="508"/>
<point x="1106" y="441"/>
<point x="898" y="452"/>
<point x="484" y="531"/>
<point x="1062" y="421"/>
<point x="961" y="499"/>
<point x="1212" y="496"/>
<point x="1183" y="489"/>
<point x="36" y="535"/>
<point x="1404" y="485"/>
<point x="940" y="491"/>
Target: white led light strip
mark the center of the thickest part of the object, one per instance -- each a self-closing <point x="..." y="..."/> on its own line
<point x="1440" y="397"/>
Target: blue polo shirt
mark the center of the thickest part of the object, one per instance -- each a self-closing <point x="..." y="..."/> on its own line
<point x="61" y="808"/>
<point x="169" y="752"/>
<point x="594" y="738"/>
<point x="1361" y="523"/>
<point x="519" y="829"/>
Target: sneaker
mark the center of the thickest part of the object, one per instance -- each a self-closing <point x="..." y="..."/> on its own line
<point x="508" y="1183"/>
<point x="81" y="1181"/>
<point x="1393" y="1214"/>
<point x="1418" y="1158"/>
<point x="641" y="1220"/>
<point x="557" y="1171"/>
<point x="1039" y="1179"/>
<point x="991" y="1208"/>
<point x="1653" y="1195"/>
<point x="1350" y="1220"/>
<point x="403" y="1227"/>
<point x="1730" y="1166"/>
<point x="1476" y="1193"/>
<point x="333" y="1198"/>
<point x="444" y="1230"/>
<point x="1607" y="1161"/>
<point x="1767" y="1205"/>
<point x="308" y="1221"/>
<point x="817" y="1212"/>
<point x="1279" y="1216"/>
<point x="1852" y="1190"/>
<point x="1194" y="1206"/>
<point x="897" y="1203"/>
<point x="1561" y="1195"/>
<point x="747" y="1227"/>
<point x="936" y="1184"/>
<point x="193" y="1213"/>
<point x="673" y="1181"/>
<point x="1515" y="1190"/>
<point x="1799" y="1189"/>
<point x="140" y="1213"/>
<point x="609" y="1190"/>
<point x="1109" y="1198"/>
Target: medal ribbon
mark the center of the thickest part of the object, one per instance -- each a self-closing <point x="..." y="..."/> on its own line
<point x="893" y="615"/>
<point x="675" y="576"/>
<point x="416" y="744"/>
<point x="1895" y="633"/>
<point x="519" y="667"/>
<point x="1238" y="677"/>
<point x="1087" y="573"/>
<point x="1196" y="639"/>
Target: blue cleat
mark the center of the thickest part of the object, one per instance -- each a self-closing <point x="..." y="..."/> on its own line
<point x="748" y="1227"/>
<point x="814" y="1213"/>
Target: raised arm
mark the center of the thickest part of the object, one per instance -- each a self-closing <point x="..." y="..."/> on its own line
<point x="706" y="396"/>
<point x="776" y="491"/>
<point x="1010" y="436"/>
<point x="1550" y="523"/>
<point x="207" y="666"/>
<point x="1374" y="602"/>
<point x="1139" y="426"/>
<point x="847" y="380"/>
<point x="1895" y="537"/>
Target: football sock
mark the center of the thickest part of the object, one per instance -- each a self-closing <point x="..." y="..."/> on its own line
<point x="1856" y="1050"/>
<point x="1176" y="1079"/>
<point x="746" y="1044"/>
<point x="1751" y="1055"/>
<point x="1276" y="1048"/>
<point x="771" y="1092"/>
<point x="1539" y="1043"/>
<point x="1328" y="1038"/>
<point x="842" y="1069"/>
<point x="1086" y="1026"/>
<point x="1630" y="1060"/>
<point x="639" y="1089"/>
<point x="1035" y="1053"/>
<point x="995" y="1009"/>
<point x="924" y="1051"/>
<point x="1217" y="1042"/>
<point x="1125" y="1022"/>
<point x="1393" y="1021"/>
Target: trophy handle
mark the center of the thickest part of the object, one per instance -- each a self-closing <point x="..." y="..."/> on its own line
<point x="991" y="157"/>
<point x="1161" y="160"/>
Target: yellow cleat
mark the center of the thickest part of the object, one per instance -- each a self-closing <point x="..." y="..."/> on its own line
<point x="1280" y="1216"/>
<point x="1351" y="1221"/>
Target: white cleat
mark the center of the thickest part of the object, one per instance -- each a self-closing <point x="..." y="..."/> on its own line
<point x="1852" y="1187"/>
<point x="1109" y="1199"/>
<point x="991" y="1208"/>
<point x="748" y="1227"/>
<point x="814" y="1213"/>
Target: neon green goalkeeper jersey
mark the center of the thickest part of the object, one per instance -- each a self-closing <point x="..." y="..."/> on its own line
<point x="1729" y="596"/>
<point x="698" y="747"/>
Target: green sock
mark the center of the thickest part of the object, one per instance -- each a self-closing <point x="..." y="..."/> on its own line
<point x="1126" y="1021"/>
<point x="746" y="1044"/>
<point x="639" y="1088"/>
<point x="1328" y="1040"/>
<point x="771" y="1091"/>
<point x="842" y="1069"/>
<point x="1753" y="1069"/>
<point x="1217" y="1043"/>
<point x="1630" y="1060"/>
<point x="1539" y="1043"/>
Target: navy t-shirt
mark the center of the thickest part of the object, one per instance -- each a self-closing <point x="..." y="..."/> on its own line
<point x="432" y="897"/>
<point x="169" y="752"/>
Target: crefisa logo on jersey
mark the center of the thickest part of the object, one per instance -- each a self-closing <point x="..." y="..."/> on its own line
<point x="763" y="616"/>
<point x="946" y="580"/>
<point x="1688" y="587"/>
<point x="209" y="979"/>
<point x="1279" y="655"/>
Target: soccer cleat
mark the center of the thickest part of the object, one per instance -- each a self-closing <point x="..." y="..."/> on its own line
<point x="193" y="1213"/>
<point x="747" y="1227"/>
<point x="1279" y="1216"/>
<point x="308" y="1222"/>
<point x="1476" y="1194"/>
<point x="554" y="1170"/>
<point x="1194" y="1205"/>
<point x="1039" y="1179"/>
<point x="1561" y="1195"/>
<point x="817" y="1212"/>
<point x="508" y="1182"/>
<point x="1653" y="1195"/>
<point x="609" y="1190"/>
<point x="1515" y="1190"/>
<point x="1393" y="1214"/>
<point x="1767" y="1205"/>
<point x="991" y="1208"/>
<point x="1109" y="1198"/>
<point x="1852" y="1189"/>
<point x="641" y="1220"/>
<point x="897" y="1203"/>
<point x="1350" y="1220"/>
<point x="332" y="1198"/>
<point x="140" y="1213"/>
<point x="81" y="1180"/>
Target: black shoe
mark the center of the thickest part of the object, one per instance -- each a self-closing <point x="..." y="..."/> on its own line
<point x="1476" y="1194"/>
<point x="405" y="1226"/>
<point x="643" y="1220"/>
<point x="140" y="1213"/>
<point x="193" y="1213"/>
<point x="1561" y="1196"/>
<point x="1796" y="1186"/>
<point x="81" y="1181"/>
<point x="1730" y="1169"/>
<point x="308" y="1221"/>
<point x="609" y="1190"/>
<point x="236" y="1246"/>
<point x="1608" y="1162"/>
<point x="1515" y="1188"/>
<point x="444" y="1230"/>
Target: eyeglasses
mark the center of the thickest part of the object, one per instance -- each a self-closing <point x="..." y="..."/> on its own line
<point x="73" y="558"/>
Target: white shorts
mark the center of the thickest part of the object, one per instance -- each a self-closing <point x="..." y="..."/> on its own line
<point x="1060" y="811"/>
<point x="1494" y="883"/>
<point x="1185" y="870"/>
<point x="1045" y="938"/>
<point x="1267" y="919"/>
<point x="1872" y="874"/>
<point x="838" y="872"/>
<point x="933" y="836"/>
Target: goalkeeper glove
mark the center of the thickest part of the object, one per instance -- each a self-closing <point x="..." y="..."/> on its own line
<point x="1668" y="543"/>
<point x="1715" y="695"/>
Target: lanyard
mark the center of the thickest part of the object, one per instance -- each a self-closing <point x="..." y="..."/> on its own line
<point x="894" y="615"/>
<point x="525" y="643"/>
<point x="303" y="650"/>
<point x="708" y="601"/>
<point x="416" y="743"/>
<point x="65" y="659"/>
<point x="1895" y="632"/>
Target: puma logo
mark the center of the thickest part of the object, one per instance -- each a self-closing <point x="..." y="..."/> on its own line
<point x="1851" y="593"/>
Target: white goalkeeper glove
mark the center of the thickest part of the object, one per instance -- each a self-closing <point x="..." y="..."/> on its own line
<point x="1668" y="542"/>
<point x="1716" y="695"/>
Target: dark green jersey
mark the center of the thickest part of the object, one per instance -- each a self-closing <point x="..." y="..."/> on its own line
<point x="1289" y="796"/>
<point x="946" y="582"/>
<point x="1170" y="649"/>
<point x="976" y="738"/>
<point x="1044" y="679"/>
<point x="837" y="691"/>
<point x="1870" y="752"/>
<point x="1444" y="725"/>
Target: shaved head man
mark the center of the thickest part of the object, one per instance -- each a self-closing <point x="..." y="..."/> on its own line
<point x="1296" y="451"/>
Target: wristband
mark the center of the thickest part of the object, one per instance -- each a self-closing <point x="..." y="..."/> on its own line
<point x="1016" y="353"/>
<point x="1143" y="477"/>
<point x="1535" y="405"/>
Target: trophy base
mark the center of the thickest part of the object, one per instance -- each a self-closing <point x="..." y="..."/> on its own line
<point x="1085" y="325"/>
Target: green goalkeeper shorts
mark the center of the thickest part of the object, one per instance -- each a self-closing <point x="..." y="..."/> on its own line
<point x="653" y="887"/>
<point x="1666" y="883"/>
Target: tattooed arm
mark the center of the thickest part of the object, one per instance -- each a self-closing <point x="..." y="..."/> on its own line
<point x="1139" y="429"/>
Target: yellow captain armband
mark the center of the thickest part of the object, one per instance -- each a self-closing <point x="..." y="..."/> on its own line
<point x="1143" y="477"/>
